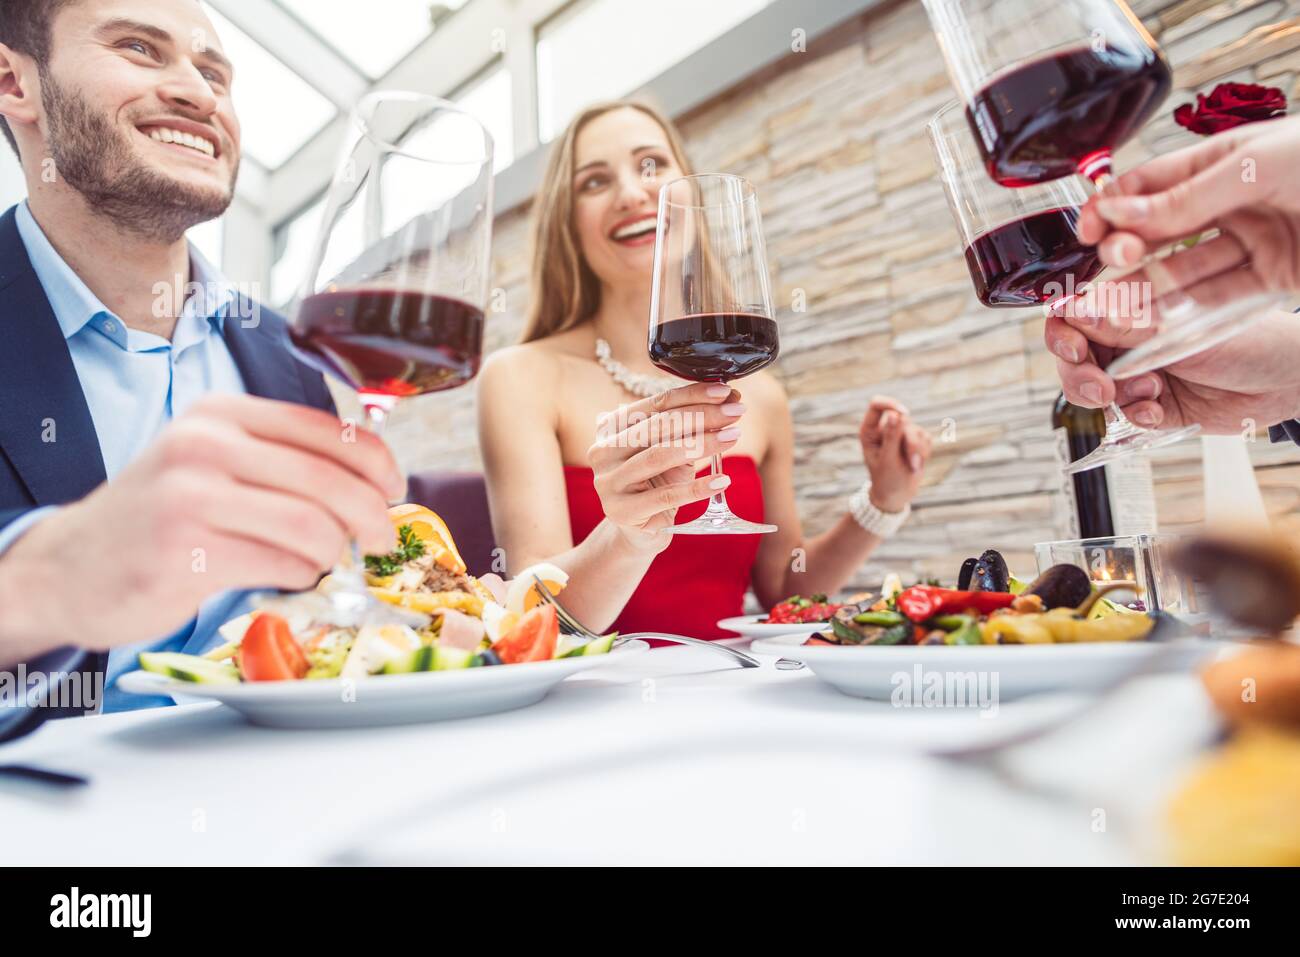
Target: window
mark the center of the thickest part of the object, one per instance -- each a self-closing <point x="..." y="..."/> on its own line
<point x="600" y="49"/>
<point x="208" y="239"/>
<point x="13" y="187"/>
<point x="375" y="35"/>
<point x="296" y="242"/>
<point x="489" y="100"/>
<point x="278" y="110"/>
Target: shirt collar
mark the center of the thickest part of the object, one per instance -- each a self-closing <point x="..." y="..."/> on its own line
<point x="75" y="305"/>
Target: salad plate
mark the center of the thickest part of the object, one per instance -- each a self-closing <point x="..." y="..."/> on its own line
<point x="465" y="646"/>
<point x="757" y="626"/>
<point x="383" y="700"/>
<point x="1004" y="672"/>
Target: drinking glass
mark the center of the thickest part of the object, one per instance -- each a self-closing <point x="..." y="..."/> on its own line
<point x="1053" y="89"/>
<point x="394" y="301"/>
<point x="1022" y="249"/>
<point x="711" y="314"/>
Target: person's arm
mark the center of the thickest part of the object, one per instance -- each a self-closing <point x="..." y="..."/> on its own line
<point x="238" y="493"/>
<point x="641" y="482"/>
<point x="896" y="451"/>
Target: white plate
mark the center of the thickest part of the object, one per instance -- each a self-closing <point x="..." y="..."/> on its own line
<point x="382" y="699"/>
<point x="753" y="626"/>
<point x="1003" y="671"/>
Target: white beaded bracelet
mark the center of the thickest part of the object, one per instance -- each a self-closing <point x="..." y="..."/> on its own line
<point x="872" y="519"/>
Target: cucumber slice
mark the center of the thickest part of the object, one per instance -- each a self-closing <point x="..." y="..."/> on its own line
<point x="600" y="646"/>
<point x="189" y="668"/>
<point x="570" y="646"/>
<point x="453" y="659"/>
<point x="421" y="659"/>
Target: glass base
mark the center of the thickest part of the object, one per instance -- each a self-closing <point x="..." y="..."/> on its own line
<point x="1129" y="441"/>
<point x="718" y="519"/>
<point x="1178" y="340"/>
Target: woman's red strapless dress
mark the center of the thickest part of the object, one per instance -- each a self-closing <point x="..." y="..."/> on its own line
<point x="696" y="580"/>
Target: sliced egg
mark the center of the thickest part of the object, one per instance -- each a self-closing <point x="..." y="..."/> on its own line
<point x="521" y="592"/>
<point x="380" y="644"/>
<point x="497" y="621"/>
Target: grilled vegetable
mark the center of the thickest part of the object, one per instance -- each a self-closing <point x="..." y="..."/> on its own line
<point x="859" y="625"/>
<point x="1061" y="586"/>
<point x="922" y="602"/>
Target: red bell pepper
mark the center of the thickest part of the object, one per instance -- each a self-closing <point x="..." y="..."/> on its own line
<point x="922" y="602"/>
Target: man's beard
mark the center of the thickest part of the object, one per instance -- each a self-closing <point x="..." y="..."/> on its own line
<point x="97" y="160"/>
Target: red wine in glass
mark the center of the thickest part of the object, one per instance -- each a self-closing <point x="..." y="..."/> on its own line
<point x="1032" y="260"/>
<point x="1065" y="113"/>
<point x="714" y="347"/>
<point x="389" y="341"/>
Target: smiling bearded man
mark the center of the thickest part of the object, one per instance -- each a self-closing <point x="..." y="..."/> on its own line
<point x="100" y="162"/>
<point x="143" y="464"/>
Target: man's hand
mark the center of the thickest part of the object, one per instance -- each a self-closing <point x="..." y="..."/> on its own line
<point x="238" y="493"/>
<point x="1251" y="380"/>
<point x="1243" y="183"/>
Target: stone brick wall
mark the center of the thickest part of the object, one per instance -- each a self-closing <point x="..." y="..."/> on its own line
<point x="834" y="139"/>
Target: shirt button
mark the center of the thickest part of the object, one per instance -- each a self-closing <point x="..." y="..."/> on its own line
<point x="110" y="327"/>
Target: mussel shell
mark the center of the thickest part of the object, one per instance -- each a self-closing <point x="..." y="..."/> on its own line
<point x="963" y="577"/>
<point x="990" y="572"/>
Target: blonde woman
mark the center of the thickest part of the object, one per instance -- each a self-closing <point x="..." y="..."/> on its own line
<point x="567" y="482"/>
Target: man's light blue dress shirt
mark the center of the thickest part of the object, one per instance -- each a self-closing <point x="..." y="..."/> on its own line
<point x="135" y="383"/>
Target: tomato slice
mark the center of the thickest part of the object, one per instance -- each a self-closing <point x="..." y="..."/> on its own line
<point x="269" y="651"/>
<point x="533" y="639"/>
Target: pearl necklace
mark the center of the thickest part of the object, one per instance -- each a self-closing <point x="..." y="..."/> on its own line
<point x="643" y="386"/>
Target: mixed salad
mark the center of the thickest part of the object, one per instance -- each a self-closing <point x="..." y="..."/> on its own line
<point x="991" y="607"/>
<point x="475" y="622"/>
<point x="801" y="610"/>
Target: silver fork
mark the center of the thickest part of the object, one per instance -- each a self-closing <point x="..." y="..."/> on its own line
<point x="575" y="627"/>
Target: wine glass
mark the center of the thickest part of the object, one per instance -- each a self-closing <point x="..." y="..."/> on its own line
<point x="1052" y="89"/>
<point x="711" y="314"/>
<point x="394" y="301"/>
<point x="1022" y="249"/>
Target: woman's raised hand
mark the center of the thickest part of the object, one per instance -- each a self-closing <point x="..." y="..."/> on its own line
<point x="895" y="450"/>
<point x="646" y="454"/>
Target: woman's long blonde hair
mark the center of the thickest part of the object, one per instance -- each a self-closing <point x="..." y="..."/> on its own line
<point x="565" y="292"/>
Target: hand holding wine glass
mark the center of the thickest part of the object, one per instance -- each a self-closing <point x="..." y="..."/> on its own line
<point x="1241" y="182"/>
<point x="393" y="302"/>
<point x="1248" y="379"/>
<point x="1053" y="89"/>
<point x="1022" y="248"/>
<point x="711" y="313"/>
<point x="644" y="458"/>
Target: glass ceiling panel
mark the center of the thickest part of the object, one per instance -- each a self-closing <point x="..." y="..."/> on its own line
<point x="278" y="110"/>
<point x="577" y="64"/>
<point x="374" y="35"/>
<point x="489" y="101"/>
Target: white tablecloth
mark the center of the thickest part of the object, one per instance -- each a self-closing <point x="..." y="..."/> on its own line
<point x="671" y="757"/>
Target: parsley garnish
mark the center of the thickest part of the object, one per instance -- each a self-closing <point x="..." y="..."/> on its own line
<point x="409" y="547"/>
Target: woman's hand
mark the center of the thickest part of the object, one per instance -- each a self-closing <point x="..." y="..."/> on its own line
<point x="895" y="450"/>
<point x="646" y="452"/>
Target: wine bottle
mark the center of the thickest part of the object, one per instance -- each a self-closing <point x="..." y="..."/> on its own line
<point x="1115" y="499"/>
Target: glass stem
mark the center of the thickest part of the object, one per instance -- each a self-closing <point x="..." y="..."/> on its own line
<point x="1117" y="424"/>
<point x="376" y="408"/>
<point x="1096" y="167"/>
<point x="719" y="500"/>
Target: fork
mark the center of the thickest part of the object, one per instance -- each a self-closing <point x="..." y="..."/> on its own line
<point x="574" y="627"/>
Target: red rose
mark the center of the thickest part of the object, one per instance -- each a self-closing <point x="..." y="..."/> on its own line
<point x="1229" y="105"/>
